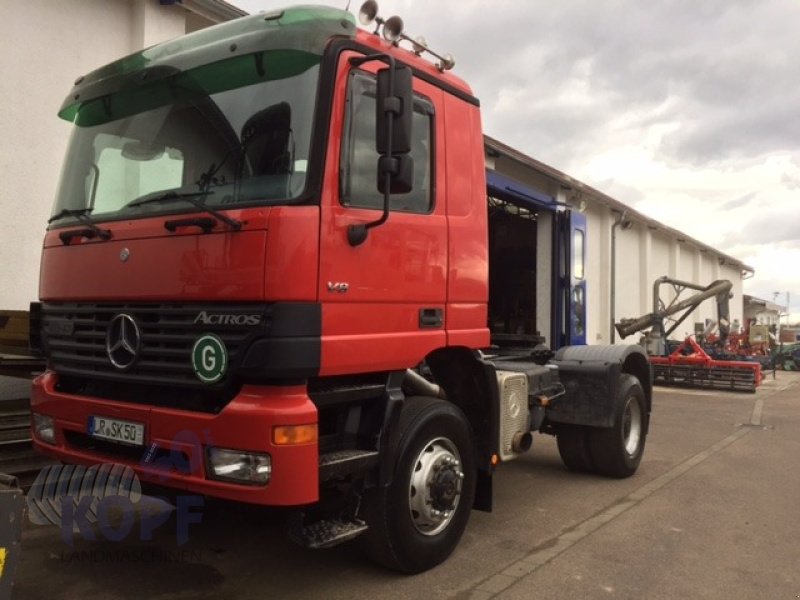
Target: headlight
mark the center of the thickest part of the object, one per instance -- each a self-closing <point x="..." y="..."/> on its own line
<point x="238" y="466"/>
<point x="44" y="428"/>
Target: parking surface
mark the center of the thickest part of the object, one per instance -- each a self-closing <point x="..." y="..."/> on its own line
<point x="711" y="513"/>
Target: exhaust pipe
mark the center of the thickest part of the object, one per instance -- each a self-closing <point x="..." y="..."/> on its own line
<point x="522" y="441"/>
<point x="423" y="387"/>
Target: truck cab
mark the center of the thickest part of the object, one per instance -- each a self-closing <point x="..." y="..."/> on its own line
<point x="267" y="278"/>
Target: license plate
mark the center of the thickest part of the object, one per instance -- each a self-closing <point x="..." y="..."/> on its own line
<point x="124" y="432"/>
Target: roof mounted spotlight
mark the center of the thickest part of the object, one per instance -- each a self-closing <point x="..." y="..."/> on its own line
<point x="393" y="33"/>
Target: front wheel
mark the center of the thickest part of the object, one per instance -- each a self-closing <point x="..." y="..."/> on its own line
<point x="617" y="451"/>
<point x="417" y="521"/>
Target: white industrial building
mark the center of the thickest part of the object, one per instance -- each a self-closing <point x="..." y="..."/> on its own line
<point x="62" y="43"/>
<point x="645" y="250"/>
<point x="763" y="312"/>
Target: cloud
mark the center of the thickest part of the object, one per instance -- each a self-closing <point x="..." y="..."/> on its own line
<point x="772" y="227"/>
<point x="774" y="290"/>
<point x="739" y="202"/>
<point x="792" y="183"/>
<point x="733" y="133"/>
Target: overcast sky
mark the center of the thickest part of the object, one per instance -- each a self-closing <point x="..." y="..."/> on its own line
<point x="687" y="110"/>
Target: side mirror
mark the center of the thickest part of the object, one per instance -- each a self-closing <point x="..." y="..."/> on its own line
<point x="401" y="171"/>
<point x="394" y="102"/>
<point x="394" y="98"/>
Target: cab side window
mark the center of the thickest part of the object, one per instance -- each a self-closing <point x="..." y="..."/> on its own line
<point x="359" y="159"/>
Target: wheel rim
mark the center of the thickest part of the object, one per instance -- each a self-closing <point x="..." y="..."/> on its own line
<point x="434" y="489"/>
<point x="632" y="426"/>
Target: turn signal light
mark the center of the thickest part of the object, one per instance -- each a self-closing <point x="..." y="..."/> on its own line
<point x="293" y="435"/>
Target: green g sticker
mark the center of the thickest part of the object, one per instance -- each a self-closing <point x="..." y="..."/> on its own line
<point x="209" y="358"/>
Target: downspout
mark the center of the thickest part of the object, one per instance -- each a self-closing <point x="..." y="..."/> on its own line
<point x="621" y="220"/>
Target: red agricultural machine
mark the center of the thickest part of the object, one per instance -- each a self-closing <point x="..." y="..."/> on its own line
<point x="688" y="363"/>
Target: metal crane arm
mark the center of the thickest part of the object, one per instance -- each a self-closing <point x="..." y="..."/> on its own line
<point x="719" y="289"/>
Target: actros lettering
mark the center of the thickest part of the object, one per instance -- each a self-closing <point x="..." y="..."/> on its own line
<point x="222" y="319"/>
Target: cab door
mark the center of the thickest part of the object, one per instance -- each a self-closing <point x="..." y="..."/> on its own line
<point x="383" y="301"/>
<point x="569" y="279"/>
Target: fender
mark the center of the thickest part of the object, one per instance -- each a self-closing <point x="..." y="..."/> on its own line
<point x="590" y="375"/>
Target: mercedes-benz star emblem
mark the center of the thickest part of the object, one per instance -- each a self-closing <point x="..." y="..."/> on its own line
<point x="123" y="341"/>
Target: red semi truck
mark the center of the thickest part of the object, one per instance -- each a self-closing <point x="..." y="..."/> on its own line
<point x="266" y="278"/>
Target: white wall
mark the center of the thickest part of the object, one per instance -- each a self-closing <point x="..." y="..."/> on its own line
<point x="598" y="255"/>
<point x="629" y="278"/>
<point x="659" y="261"/>
<point x="679" y="261"/>
<point x="152" y="23"/>
<point x="44" y="46"/>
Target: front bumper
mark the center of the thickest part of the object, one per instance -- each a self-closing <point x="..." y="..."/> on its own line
<point x="175" y="441"/>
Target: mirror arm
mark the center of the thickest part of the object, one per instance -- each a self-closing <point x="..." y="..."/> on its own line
<point x="357" y="233"/>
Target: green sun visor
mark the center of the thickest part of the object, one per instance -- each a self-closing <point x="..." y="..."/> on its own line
<point x="262" y="47"/>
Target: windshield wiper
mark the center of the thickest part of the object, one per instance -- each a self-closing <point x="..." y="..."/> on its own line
<point x="82" y="214"/>
<point x="168" y="196"/>
<point x="68" y="212"/>
<point x="193" y="199"/>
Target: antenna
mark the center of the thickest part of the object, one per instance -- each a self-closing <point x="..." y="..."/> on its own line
<point x="348" y="6"/>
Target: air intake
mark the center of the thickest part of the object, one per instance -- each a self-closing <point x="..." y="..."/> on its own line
<point x="514" y="413"/>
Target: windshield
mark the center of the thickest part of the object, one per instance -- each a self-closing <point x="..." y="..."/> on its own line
<point x="239" y="131"/>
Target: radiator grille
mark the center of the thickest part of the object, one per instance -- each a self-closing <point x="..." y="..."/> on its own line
<point x="74" y="339"/>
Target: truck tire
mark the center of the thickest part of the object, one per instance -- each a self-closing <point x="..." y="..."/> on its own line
<point x="573" y="446"/>
<point x="56" y="482"/>
<point x="617" y="451"/>
<point x="416" y="522"/>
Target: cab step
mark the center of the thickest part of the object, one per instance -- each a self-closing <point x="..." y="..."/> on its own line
<point x="341" y="463"/>
<point x="326" y="532"/>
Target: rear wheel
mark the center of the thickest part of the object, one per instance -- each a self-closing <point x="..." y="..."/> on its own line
<point x="617" y="451"/>
<point x="417" y="521"/>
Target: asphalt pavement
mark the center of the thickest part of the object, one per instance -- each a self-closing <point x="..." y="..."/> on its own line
<point x="711" y="513"/>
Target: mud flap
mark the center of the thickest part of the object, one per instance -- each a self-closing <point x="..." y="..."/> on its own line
<point x="12" y="506"/>
<point x="590" y="375"/>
